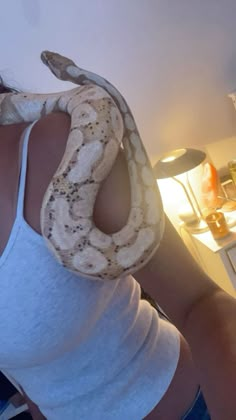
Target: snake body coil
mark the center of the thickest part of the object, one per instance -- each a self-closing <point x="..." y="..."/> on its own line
<point x="100" y="122"/>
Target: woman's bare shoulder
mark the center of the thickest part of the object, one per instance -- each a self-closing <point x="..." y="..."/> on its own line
<point x="46" y="147"/>
<point x="51" y="130"/>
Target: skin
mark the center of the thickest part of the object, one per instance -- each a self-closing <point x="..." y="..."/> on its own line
<point x="186" y="301"/>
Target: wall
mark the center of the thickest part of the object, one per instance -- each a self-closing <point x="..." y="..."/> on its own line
<point x="174" y="60"/>
<point x="221" y="152"/>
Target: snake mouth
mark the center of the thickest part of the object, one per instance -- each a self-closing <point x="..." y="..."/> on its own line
<point x="44" y="56"/>
<point x="47" y="59"/>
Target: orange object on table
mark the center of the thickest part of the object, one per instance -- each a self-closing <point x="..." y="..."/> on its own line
<point x="217" y="224"/>
<point x="210" y="187"/>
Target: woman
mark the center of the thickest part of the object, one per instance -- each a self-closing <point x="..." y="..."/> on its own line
<point x="93" y="350"/>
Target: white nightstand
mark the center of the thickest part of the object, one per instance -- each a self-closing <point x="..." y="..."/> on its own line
<point x="218" y="259"/>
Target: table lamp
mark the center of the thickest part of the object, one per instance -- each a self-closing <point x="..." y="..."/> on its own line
<point x="178" y="162"/>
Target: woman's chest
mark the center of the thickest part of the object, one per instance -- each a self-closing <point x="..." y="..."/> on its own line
<point x="45" y="310"/>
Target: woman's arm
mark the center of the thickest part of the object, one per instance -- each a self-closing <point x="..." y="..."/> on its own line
<point x="204" y="314"/>
<point x="174" y="278"/>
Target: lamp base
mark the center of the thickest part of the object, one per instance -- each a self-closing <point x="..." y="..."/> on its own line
<point x="197" y="227"/>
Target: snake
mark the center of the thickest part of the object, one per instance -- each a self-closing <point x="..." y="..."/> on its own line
<point x="101" y="124"/>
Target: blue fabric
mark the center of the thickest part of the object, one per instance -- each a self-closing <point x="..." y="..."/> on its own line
<point x="3" y="405"/>
<point x="199" y="410"/>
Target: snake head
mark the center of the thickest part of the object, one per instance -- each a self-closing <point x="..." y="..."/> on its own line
<point x="57" y="64"/>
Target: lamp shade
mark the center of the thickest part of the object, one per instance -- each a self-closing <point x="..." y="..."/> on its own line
<point x="177" y="162"/>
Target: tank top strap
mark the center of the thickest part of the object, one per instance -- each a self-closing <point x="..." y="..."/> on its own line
<point x="23" y="169"/>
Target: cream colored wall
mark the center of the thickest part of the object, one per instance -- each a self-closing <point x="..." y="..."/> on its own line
<point x="221" y="152"/>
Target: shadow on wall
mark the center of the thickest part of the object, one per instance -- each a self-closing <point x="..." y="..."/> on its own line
<point x="195" y="113"/>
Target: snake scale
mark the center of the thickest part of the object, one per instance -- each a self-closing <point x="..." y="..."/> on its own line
<point x="101" y="122"/>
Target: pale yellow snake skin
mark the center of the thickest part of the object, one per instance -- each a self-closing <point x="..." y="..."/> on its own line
<point x="100" y="122"/>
